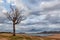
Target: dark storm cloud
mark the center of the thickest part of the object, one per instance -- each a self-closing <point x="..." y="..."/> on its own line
<point x="53" y="20"/>
<point x="38" y="20"/>
<point x="35" y="13"/>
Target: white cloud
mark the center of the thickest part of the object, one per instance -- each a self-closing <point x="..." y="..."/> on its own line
<point x="1" y="24"/>
<point x="47" y="17"/>
<point x="54" y="25"/>
<point x="9" y="1"/>
<point x="4" y="11"/>
<point x="46" y="4"/>
<point x="1" y="1"/>
<point x="1" y="9"/>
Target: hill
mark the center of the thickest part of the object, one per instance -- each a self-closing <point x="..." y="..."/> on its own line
<point x="8" y="36"/>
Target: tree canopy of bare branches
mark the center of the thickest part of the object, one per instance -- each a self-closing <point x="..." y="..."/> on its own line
<point x="14" y="15"/>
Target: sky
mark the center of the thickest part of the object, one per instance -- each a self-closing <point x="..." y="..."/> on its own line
<point x="40" y="15"/>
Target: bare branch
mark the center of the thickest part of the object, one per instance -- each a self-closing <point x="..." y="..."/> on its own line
<point x="12" y="9"/>
<point x="8" y="16"/>
<point x="18" y="20"/>
<point x="14" y="15"/>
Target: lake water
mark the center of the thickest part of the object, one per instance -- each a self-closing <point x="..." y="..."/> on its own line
<point x="40" y="34"/>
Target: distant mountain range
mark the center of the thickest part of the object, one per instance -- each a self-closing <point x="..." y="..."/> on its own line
<point x="49" y="32"/>
<point x="45" y="29"/>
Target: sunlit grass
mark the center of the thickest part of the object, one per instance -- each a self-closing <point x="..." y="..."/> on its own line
<point x="15" y="38"/>
<point x="23" y="37"/>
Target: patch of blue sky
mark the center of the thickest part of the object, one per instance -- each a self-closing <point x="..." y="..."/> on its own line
<point x="7" y="5"/>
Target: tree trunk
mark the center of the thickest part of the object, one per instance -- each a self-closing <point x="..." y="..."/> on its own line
<point x="13" y="29"/>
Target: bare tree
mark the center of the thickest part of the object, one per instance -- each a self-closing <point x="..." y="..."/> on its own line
<point x="14" y="15"/>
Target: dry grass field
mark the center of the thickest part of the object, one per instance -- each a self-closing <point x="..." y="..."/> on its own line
<point x="8" y="36"/>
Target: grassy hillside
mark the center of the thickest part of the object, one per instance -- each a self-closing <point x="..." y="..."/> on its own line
<point x="7" y="36"/>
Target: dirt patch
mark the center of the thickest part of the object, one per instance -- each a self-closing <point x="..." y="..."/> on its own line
<point x="3" y="39"/>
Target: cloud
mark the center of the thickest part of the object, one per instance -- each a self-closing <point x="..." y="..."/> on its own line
<point x="1" y="1"/>
<point x="49" y="4"/>
<point x="1" y="9"/>
<point x="40" y="14"/>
